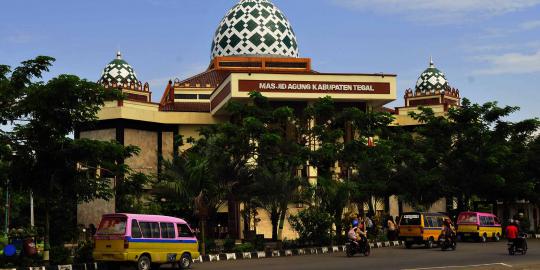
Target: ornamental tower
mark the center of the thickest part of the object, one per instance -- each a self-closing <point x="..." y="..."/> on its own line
<point x="432" y="90"/>
<point x="121" y="75"/>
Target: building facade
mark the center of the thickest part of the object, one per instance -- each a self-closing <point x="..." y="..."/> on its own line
<point x="254" y="49"/>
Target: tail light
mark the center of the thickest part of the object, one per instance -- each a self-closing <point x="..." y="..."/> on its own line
<point x="126" y="243"/>
<point x="421" y="230"/>
<point x="477" y="227"/>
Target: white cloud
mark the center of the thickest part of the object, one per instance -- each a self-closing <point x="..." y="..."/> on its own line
<point x="530" y="25"/>
<point x="20" y="38"/>
<point x="510" y="63"/>
<point x="442" y="11"/>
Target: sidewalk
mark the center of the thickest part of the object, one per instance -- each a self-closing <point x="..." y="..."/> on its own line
<point x="285" y="253"/>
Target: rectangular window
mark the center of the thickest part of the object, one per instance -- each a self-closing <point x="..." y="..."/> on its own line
<point x="112" y="226"/>
<point x="185" y="96"/>
<point x="467" y="218"/>
<point x="483" y="221"/>
<point x="285" y="65"/>
<point x="429" y="222"/>
<point x="150" y="229"/>
<point x="184" y="230"/>
<point x="135" y="230"/>
<point x="410" y="219"/>
<point x="204" y="96"/>
<point x="167" y="230"/>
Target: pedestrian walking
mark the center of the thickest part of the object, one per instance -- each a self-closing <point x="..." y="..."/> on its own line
<point x="391" y="226"/>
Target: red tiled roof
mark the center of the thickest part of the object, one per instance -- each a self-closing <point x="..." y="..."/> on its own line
<point x="212" y="77"/>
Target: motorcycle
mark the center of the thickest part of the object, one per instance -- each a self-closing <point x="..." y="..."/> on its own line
<point x="361" y="247"/>
<point x="519" y="245"/>
<point x="447" y="242"/>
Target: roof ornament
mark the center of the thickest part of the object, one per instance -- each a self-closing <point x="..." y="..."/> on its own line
<point x="118" y="55"/>
<point x="431" y="64"/>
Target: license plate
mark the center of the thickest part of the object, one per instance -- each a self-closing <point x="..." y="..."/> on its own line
<point x="466" y="234"/>
<point x="410" y="239"/>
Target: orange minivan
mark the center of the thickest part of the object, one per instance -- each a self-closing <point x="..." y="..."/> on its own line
<point x="420" y="228"/>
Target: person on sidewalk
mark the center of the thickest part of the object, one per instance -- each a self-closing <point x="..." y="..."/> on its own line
<point x="391" y="226"/>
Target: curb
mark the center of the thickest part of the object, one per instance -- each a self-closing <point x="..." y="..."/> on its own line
<point x="86" y="266"/>
<point x="229" y="256"/>
<point x="283" y="253"/>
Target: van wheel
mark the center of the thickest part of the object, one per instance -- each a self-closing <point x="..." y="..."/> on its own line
<point x="496" y="238"/>
<point x="185" y="261"/>
<point x="484" y="238"/>
<point x="144" y="263"/>
<point x="429" y="243"/>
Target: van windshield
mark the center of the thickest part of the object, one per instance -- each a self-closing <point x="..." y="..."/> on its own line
<point x="410" y="219"/>
<point x="467" y="218"/>
<point x="112" y="226"/>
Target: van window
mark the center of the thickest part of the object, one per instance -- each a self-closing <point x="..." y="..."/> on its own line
<point x="484" y="221"/>
<point x="184" y="231"/>
<point x="135" y="230"/>
<point x="167" y="230"/>
<point x="430" y="222"/>
<point x="490" y="221"/>
<point x="150" y="229"/>
<point x="112" y="226"/>
<point x="467" y="218"/>
<point x="410" y="219"/>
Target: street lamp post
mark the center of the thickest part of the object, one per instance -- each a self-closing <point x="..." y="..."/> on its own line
<point x="6" y="229"/>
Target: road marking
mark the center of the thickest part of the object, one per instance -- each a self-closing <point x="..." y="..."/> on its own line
<point x="461" y="266"/>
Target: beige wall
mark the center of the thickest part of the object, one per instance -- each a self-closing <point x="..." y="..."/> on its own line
<point x="146" y="161"/>
<point x="167" y="145"/>
<point x="265" y="225"/>
<point x="189" y="131"/>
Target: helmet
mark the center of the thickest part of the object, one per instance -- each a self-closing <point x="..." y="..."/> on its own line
<point x="355" y="223"/>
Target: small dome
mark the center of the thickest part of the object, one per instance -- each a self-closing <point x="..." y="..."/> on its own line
<point x="118" y="71"/>
<point x="254" y="27"/>
<point x="432" y="79"/>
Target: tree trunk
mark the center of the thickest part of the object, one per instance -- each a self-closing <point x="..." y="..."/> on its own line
<point x="203" y="235"/>
<point x="339" y="226"/>
<point x="247" y="219"/>
<point x="46" y="238"/>
<point x="282" y="216"/>
<point x="274" y="217"/>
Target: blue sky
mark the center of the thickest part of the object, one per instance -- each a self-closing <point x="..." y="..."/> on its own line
<point x="489" y="49"/>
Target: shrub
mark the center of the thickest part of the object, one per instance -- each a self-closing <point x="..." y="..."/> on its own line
<point x="228" y="244"/>
<point x="245" y="247"/>
<point x="210" y="246"/>
<point x="313" y="225"/>
<point x="60" y="255"/>
<point x="83" y="253"/>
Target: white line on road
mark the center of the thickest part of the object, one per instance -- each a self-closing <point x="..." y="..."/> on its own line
<point x="461" y="266"/>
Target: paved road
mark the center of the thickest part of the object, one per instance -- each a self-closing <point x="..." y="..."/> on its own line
<point x="477" y="256"/>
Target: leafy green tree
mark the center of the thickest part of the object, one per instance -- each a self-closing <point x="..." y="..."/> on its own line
<point x="475" y="152"/>
<point x="59" y="170"/>
<point x="417" y="178"/>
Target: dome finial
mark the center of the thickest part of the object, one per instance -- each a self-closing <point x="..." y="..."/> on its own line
<point x="118" y="55"/>
<point x="431" y="64"/>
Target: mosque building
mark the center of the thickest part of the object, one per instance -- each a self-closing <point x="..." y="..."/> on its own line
<point x="254" y="49"/>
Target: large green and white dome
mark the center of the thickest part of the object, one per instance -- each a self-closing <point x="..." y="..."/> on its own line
<point x="118" y="71"/>
<point x="432" y="79"/>
<point x="255" y="28"/>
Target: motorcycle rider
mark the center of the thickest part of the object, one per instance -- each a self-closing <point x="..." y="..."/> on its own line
<point x="352" y="234"/>
<point x="448" y="230"/>
<point x="512" y="232"/>
<point x="357" y="233"/>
